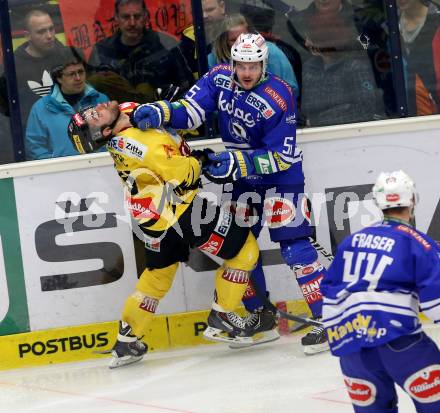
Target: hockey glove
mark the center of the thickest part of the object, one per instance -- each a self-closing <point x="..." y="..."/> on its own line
<point x="203" y="156"/>
<point x="228" y="166"/>
<point x="151" y="115"/>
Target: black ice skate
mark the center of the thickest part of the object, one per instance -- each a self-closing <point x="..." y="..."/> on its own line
<point x="128" y="348"/>
<point x="261" y="325"/>
<point x="315" y="341"/>
<point x="226" y="327"/>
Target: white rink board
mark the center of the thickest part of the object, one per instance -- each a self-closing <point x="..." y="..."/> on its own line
<point x="358" y="161"/>
<point x="328" y="164"/>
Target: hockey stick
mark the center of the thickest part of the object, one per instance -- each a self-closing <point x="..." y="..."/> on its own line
<point x="319" y="248"/>
<point x="280" y="313"/>
<point x="283" y="314"/>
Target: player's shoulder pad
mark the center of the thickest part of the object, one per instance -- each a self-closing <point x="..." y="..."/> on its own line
<point x="222" y="68"/>
<point x="282" y="82"/>
<point x="422" y="239"/>
<point x="277" y="91"/>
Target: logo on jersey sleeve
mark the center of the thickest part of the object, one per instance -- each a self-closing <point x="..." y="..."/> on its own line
<point x="426" y="245"/>
<point x="424" y="385"/>
<point x="278" y="212"/>
<point x="362" y="392"/>
<point x="281" y="103"/>
<point x="223" y="81"/>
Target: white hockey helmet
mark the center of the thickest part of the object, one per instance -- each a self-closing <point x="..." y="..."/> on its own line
<point x="394" y="189"/>
<point x="250" y="47"/>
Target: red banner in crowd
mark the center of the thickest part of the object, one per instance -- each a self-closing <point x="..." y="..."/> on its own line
<point x="86" y="22"/>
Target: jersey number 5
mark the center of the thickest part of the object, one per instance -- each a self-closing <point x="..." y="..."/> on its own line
<point x="372" y="277"/>
<point x="288" y="145"/>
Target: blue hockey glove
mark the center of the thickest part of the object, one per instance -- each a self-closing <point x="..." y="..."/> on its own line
<point x="151" y="115"/>
<point x="203" y="156"/>
<point x="228" y="166"/>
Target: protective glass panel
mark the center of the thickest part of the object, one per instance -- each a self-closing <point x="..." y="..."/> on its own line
<point x="70" y="55"/>
<point x="338" y="51"/>
<point x="420" y="38"/>
<point x="6" y="152"/>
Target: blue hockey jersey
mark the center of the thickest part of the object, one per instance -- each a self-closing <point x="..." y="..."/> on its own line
<point x="261" y="121"/>
<point x="378" y="279"/>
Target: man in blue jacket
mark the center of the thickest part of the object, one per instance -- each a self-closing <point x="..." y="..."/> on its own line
<point x="46" y="135"/>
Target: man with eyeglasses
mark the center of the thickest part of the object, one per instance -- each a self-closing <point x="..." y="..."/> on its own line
<point x="47" y="124"/>
<point x="150" y="61"/>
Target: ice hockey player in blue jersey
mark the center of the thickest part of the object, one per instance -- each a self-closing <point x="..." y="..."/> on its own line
<point x="372" y="292"/>
<point x="257" y="122"/>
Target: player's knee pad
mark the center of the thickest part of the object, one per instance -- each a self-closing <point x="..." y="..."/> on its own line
<point x="247" y="257"/>
<point x="302" y="257"/>
<point x="156" y="282"/>
<point x="298" y="252"/>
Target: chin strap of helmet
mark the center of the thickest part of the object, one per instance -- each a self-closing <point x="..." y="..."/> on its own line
<point x="111" y="125"/>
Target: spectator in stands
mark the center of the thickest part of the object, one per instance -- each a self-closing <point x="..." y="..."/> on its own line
<point x="46" y="132"/>
<point x="419" y="23"/>
<point x="33" y="60"/>
<point x="367" y="21"/>
<point x="338" y="82"/>
<point x="262" y="19"/>
<point x="231" y="28"/>
<point x="213" y="15"/>
<point x="148" y="60"/>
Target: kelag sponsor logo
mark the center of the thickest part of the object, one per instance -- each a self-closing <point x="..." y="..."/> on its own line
<point x="62" y="345"/>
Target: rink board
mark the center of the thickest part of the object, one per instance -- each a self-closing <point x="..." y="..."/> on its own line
<point x="84" y="342"/>
<point x="67" y="255"/>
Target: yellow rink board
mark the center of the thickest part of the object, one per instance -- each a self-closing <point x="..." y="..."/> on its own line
<point x="83" y="342"/>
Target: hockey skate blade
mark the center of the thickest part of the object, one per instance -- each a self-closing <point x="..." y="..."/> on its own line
<point x="116" y="362"/>
<point x="215" y="334"/>
<point x="259" y="338"/>
<point x="316" y="348"/>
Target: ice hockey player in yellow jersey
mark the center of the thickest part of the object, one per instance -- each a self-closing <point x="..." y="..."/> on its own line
<point x="161" y="179"/>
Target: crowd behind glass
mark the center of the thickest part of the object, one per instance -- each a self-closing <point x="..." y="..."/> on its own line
<point x="335" y="54"/>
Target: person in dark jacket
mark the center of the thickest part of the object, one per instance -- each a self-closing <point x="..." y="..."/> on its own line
<point x="145" y="58"/>
<point x="34" y="60"/>
<point x="214" y="11"/>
